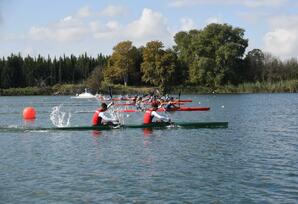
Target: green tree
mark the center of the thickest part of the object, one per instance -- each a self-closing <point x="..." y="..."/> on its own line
<point x="158" y="65"/>
<point x="12" y="73"/>
<point x="254" y="64"/>
<point x="123" y="64"/>
<point x="95" y="79"/>
<point x="202" y="72"/>
<point x="220" y="45"/>
<point x="184" y="50"/>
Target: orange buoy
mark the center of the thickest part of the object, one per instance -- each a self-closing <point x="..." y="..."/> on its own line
<point x="29" y="113"/>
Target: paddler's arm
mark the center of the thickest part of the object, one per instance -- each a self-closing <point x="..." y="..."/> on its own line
<point x="106" y="118"/>
<point x="110" y="104"/>
<point x="161" y="117"/>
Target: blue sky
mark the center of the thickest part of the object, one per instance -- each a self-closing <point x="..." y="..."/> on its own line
<point x="58" y="27"/>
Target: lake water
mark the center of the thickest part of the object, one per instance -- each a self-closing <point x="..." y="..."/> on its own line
<point x="255" y="160"/>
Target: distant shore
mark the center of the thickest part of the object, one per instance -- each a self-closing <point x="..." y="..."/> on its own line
<point x="72" y="89"/>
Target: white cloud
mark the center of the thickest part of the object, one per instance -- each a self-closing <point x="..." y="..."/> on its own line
<point x="150" y="26"/>
<point x="28" y="51"/>
<point x="187" y="24"/>
<point x="70" y="33"/>
<point x="247" y="3"/>
<point x="112" y="11"/>
<point x="110" y="30"/>
<point x="282" y="39"/>
<point x="113" y="25"/>
<point x="39" y="33"/>
<point x="84" y="12"/>
<point x="213" y="20"/>
<point x="253" y="17"/>
<point x="66" y="30"/>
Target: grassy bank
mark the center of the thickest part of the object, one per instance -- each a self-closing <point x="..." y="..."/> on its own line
<point x="262" y="87"/>
<point x="259" y="87"/>
<point x="72" y="89"/>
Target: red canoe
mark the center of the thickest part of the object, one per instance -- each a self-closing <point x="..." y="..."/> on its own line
<point x="173" y="109"/>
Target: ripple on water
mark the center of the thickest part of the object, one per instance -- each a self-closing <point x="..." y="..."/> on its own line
<point x="253" y="161"/>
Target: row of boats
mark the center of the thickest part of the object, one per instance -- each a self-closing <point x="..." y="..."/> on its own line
<point x="138" y="104"/>
<point x="142" y="103"/>
<point x="168" y="104"/>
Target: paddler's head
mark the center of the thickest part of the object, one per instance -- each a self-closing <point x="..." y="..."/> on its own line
<point x="154" y="106"/>
<point x="104" y="106"/>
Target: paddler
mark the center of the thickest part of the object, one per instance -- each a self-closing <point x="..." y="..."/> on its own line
<point x="170" y="105"/>
<point x="100" y="118"/>
<point x="151" y="113"/>
<point x="139" y="103"/>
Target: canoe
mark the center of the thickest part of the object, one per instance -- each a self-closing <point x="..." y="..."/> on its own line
<point x="169" y="110"/>
<point x="152" y="125"/>
<point x="156" y="125"/>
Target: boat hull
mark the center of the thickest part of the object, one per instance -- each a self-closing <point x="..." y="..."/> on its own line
<point x="152" y="125"/>
<point x="156" y="125"/>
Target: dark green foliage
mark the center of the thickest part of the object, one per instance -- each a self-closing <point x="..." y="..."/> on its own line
<point x="158" y="67"/>
<point x="16" y="71"/>
<point x="124" y="65"/>
<point x="212" y="55"/>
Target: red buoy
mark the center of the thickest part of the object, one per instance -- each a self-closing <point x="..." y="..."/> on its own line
<point x="29" y="113"/>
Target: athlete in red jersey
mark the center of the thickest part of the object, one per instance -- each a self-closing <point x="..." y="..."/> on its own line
<point x="151" y="113"/>
<point x="99" y="118"/>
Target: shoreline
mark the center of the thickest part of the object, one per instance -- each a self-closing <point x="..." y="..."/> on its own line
<point x="73" y="89"/>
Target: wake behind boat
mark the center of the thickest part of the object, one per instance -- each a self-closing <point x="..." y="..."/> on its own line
<point x="85" y="95"/>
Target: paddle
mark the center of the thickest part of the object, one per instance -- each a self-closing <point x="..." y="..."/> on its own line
<point x="118" y="124"/>
<point x="111" y="95"/>
<point x="179" y="96"/>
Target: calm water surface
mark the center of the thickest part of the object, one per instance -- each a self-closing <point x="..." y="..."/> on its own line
<point x="255" y="160"/>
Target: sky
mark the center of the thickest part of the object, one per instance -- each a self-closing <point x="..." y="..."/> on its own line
<point x="58" y="27"/>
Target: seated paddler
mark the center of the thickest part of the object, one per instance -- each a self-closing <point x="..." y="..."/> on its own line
<point x="101" y="118"/>
<point x="170" y="105"/>
<point x="151" y="113"/>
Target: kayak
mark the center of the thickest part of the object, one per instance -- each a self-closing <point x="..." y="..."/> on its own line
<point x="158" y="125"/>
<point x="168" y="110"/>
<point x="185" y="109"/>
<point x="147" y="103"/>
<point x="131" y="99"/>
<point x="174" y="102"/>
<point x="124" y="104"/>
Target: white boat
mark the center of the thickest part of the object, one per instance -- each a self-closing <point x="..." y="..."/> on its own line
<point x="84" y="95"/>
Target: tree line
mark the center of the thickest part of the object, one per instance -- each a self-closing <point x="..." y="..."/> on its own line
<point x="16" y="71"/>
<point x="211" y="57"/>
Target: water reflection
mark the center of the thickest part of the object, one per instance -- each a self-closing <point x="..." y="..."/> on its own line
<point x="147" y="132"/>
<point x="96" y="133"/>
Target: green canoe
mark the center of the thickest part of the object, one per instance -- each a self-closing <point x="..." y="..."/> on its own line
<point x="160" y="125"/>
<point x="152" y="125"/>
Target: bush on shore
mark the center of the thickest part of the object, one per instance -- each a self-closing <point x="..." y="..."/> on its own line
<point x="290" y="86"/>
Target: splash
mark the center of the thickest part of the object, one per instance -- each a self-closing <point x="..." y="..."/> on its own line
<point x="120" y="117"/>
<point x="58" y="117"/>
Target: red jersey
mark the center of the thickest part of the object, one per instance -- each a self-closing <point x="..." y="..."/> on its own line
<point x="148" y="117"/>
<point x="96" y="120"/>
